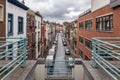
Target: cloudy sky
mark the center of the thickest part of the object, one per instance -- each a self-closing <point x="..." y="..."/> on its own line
<point x="59" y="10"/>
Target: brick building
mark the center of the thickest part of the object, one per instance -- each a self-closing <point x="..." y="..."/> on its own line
<point x="31" y="35"/>
<point x="2" y="18"/>
<point x="44" y="35"/>
<point x="100" y="21"/>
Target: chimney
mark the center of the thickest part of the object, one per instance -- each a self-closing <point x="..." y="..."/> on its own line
<point x="23" y="1"/>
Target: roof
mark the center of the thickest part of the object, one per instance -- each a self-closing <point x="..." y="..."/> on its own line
<point x="18" y="4"/>
<point x="85" y="13"/>
<point x="38" y="14"/>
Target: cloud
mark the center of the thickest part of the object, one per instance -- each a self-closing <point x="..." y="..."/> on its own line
<point x="59" y="10"/>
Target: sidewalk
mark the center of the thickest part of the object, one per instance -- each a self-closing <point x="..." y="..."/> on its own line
<point x="24" y="73"/>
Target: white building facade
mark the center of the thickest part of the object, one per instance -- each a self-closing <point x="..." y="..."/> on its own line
<point x="48" y="34"/>
<point x="38" y="18"/>
<point x="15" y="20"/>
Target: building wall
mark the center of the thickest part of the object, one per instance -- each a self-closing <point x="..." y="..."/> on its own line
<point x="89" y="34"/>
<point x="3" y="23"/>
<point x="31" y="35"/>
<point x="17" y="12"/>
<point x="44" y="35"/>
<point x="38" y="34"/>
<point x="97" y="4"/>
<point x="47" y="34"/>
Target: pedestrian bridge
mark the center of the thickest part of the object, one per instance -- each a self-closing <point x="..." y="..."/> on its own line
<point x="106" y="57"/>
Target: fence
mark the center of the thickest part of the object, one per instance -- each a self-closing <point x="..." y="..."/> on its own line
<point x="12" y="55"/>
<point x="106" y="54"/>
<point x="61" y="69"/>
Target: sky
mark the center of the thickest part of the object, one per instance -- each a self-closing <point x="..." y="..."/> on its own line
<point x="59" y="10"/>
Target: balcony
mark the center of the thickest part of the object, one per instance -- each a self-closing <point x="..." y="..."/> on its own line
<point x="12" y="55"/>
<point x="106" y="55"/>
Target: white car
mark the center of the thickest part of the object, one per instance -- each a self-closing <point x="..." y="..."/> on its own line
<point x="67" y="51"/>
<point x="49" y="61"/>
<point x="70" y="62"/>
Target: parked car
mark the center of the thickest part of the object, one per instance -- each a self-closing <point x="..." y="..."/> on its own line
<point x="49" y="61"/>
<point x="55" y="42"/>
<point x="52" y="52"/>
<point x="70" y="62"/>
<point x="64" y="43"/>
<point x="67" y="51"/>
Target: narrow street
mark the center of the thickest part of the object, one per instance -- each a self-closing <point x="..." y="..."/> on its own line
<point x="60" y="65"/>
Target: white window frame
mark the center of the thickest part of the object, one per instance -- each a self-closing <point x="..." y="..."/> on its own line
<point x="2" y="17"/>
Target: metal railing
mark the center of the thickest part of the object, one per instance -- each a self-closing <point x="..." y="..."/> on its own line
<point x="61" y="71"/>
<point x="12" y="55"/>
<point x="106" y="54"/>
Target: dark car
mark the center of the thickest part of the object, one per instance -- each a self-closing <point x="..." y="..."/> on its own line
<point x="64" y="43"/>
<point x="67" y="51"/>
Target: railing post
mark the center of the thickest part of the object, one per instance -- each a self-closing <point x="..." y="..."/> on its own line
<point x="25" y="52"/>
<point x="94" y="42"/>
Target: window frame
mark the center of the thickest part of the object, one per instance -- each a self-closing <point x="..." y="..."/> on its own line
<point x="104" y="23"/>
<point x="81" y="25"/>
<point x="90" y="45"/>
<point x="88" y="24"/>
<point x="11" y="26"/>
<point x="80" y="37"/>
<point x="87" y="58"/>
<point x="2" y="16"/>
<point x="20" y="29"/>
<point x="81" y="53"/>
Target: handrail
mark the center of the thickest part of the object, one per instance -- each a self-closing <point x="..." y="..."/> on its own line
<point x="65" y="69"/>
<point x="105" y="54"/>
<point x="13" y="51"/>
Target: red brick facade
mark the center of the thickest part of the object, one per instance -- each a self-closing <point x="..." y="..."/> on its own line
<point x="31" y="35"/>
<point x="3" y="23"/>
<point x="44" y="35"/>
<point x="89" y="34"/>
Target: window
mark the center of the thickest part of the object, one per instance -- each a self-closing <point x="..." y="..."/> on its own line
<point x="81" y="39"/>
<point x="10" y="47"/>
<point x="81" y="53"/>
<point x="39" y="24"/>
<point x="88" y="25"/>
<point x="19" y="44"/>
<point x="20" y="25"/>
<point x="88" y="44"/>
<point x="10" y="24"/>
<point x="104" y="23"/>
<point x="81" y="25"/>
<point x="1" y="12"/>
<point x="86" y="58"/>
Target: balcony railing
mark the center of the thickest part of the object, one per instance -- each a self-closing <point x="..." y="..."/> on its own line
<point x="12" y="55"/>
<point x="106" y="55"/>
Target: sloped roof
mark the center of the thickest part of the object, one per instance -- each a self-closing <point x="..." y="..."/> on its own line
<point x="18" y="4"/>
